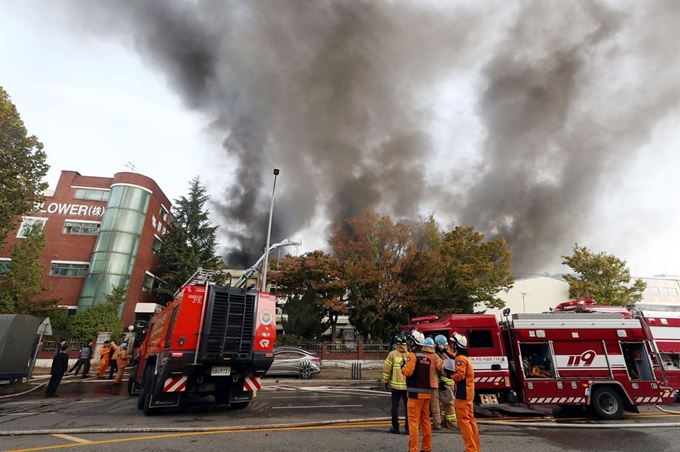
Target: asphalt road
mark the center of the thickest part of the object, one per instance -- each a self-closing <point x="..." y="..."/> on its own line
<point x="288" y="417"/>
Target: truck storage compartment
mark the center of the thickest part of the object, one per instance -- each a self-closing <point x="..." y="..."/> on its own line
<point x="229" y="325"/>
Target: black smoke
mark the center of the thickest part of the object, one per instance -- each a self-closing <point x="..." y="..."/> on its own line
<point x="342" y="97"/>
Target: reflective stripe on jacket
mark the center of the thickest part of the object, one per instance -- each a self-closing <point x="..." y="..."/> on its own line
<point x="392" y="368"/>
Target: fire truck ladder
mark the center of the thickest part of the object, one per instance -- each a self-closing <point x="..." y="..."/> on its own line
<point x="249" y="272"/>
<point x="200" y="276"/>
<point x="655" y="350"/>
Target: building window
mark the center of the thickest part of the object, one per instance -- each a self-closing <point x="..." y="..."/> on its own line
<point x="148" y="283"/>
<point x="81" y="227"/>
<point x="164" y="214"/>
<point x="27" y="224"/>
<point x="69" y="268"/>
<point x="670" y="290"/>
<point x="653" y="290"/>
<point x="5" y="265"/>
<point x="480" y="338"/>
<point x="92" y="194"/>
<point x="157" y="284"/>
<point x="156" y="245"/>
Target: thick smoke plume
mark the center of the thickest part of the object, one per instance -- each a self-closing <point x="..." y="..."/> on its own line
<point x="345" y="97"/>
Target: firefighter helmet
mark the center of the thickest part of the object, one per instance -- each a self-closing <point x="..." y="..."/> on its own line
<point x="401" y="340"/>
<point x="440" y="339"/>
<point x="459" y="340"/>
<point x="418" y="338"/>
<point x="429" y="342"/>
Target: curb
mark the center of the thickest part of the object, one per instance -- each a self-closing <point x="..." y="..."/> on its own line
<point x="82" y="431"/>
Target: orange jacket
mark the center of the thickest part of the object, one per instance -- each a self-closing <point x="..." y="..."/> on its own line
<point x="436" y="368"/>
<point x="464" y="374"/>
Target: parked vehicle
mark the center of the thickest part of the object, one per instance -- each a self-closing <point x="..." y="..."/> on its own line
<point x="601" y="360"/>
<point x="17" y="335"/>
<point x="294" y="362"/>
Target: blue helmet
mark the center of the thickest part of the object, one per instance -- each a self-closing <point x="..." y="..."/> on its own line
<point x="429" y="342"/>
<point x="440" y="339"/>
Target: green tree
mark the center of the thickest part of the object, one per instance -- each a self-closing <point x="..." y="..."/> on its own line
<point x="190" y="242"/>
<point x="471" y="271"/>
<point x="601" y="277"/>
<point x="305" y="316"/>
<point x="22" y="167"/>
<point x="21" y="286"/>
<point x="87" y="324"/>
<point x="316" y="276"/>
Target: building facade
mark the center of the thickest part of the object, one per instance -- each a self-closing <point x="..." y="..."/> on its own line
<point x="101" y="232"/>
<point x="534" y="294"/>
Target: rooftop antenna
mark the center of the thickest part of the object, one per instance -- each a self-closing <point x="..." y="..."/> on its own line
<point x="524" y="307"/>
<point x="132" y="167"/>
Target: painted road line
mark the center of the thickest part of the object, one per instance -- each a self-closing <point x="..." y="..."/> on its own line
<point x="75" y="439"/>
<point x="314" y="406"/>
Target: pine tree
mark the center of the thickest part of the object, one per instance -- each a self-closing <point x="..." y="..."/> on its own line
<point x="190" y="243"/>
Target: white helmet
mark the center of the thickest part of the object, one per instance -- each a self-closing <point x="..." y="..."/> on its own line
<point x="418" y="338"/>
<point x="459" y="340"/>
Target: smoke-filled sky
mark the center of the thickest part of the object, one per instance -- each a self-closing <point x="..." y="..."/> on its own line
<point x="545" y="122"/>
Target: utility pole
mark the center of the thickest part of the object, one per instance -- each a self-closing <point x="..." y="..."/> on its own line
<point x="269" y="233"/>
<point x="524" y="307"/>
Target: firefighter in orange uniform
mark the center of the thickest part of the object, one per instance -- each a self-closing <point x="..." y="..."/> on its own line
<point x="417" y="372"/>
<point x="460" y="370"/>
<point x="104" y="359"/>
<point x="435" y="371"/>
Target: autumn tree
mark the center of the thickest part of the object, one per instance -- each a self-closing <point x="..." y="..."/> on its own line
<point x="471" y="271"/>
<point x="189" y="243"/>
<point x="21" y="286"/>
<point x="378" y="255"/>
<point x="601" y="277"/>
<point x="22" y="167"/>
<point x="315" y="277"/>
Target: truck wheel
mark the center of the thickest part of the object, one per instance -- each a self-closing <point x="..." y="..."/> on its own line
<point x="239" y="405"/>
<point x="131" y="381"/>
<point x="148" y="391"/>
<point x="607" y="404"/>
<point x="221" y="396"/>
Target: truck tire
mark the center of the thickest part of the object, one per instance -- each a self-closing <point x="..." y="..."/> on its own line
<point x="221" y="396"/>
<point x="147" y="390"/>
<point x="607" y="404"/>
<point x="239" y="405"/>
<point x="131" y="381"/>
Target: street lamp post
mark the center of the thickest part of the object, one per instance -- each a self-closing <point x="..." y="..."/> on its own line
<point x="269" y="233"/>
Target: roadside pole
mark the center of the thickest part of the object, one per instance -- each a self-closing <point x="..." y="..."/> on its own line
<point x="45" y="328"/>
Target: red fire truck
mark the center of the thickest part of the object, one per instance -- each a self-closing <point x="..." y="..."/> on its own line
<point x="601" y="360"/>
<point x="211" y="340"/>
<point x="662" y="326"/>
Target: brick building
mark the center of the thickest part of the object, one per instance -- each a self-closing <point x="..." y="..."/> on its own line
<point x="101" y="232"/>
